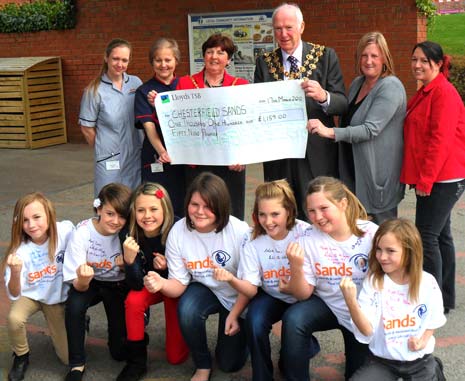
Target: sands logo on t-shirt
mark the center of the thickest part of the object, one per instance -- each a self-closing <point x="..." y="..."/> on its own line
<point x="105" y="264"/>
<point x="59" y="257"/>
<point x="341" y="270"/>
<point x="221" y="257"/>
<point x="407" y="321"/>
<point x="360" y="261"/>
<point x="207" y="263"/>
<point x="421" y="310"/>
<point x="36" y="275"/>
<point x="218" y="257"/>
<point x="283" y="271"/>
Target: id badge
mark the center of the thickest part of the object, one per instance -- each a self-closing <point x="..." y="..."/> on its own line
<point x="112" y="165"/>
<point x="156" y="167"/>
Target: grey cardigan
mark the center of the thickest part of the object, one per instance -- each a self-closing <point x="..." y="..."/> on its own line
<point x="376" y="135"/>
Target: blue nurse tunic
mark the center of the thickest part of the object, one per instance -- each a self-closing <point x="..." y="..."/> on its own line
<point x="117" y="143"/>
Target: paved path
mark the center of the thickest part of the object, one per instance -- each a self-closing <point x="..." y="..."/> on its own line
<point x="64" y="173"/>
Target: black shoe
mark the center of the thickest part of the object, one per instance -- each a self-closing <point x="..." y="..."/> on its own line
<point x="75" y="375"/>
<point x="132" y="372"/>
<point x="136" y="365"/>
<point x="18" y="370"/>
<point x="439" y="369"/>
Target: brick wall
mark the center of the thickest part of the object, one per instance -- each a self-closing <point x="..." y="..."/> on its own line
<point x="450" y="6"/>
<point x="335" y="23"/>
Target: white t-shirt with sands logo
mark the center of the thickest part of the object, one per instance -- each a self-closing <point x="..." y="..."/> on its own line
<point x="87" y="245"/>
<point x="42" y="280"/>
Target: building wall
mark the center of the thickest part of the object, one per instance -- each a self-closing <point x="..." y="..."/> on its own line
<point x="335" y="23"/>
<point x="450" y="6"/>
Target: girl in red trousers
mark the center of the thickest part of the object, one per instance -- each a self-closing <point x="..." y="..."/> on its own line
<point x="150" y="221"/>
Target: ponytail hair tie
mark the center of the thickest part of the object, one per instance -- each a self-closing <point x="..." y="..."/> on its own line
<point x="445" y="65"/>
<point x="97" y="203"/>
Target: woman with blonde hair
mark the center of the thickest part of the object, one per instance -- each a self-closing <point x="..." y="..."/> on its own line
<point x="164" y="57"/>
<point x="106" y="119"/>
<point x="371" y="132"/>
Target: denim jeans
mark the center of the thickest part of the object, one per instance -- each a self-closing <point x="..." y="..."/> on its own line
<point x="433" y="222"/>
<point x="377" y="368"/>
<point x="195" y="305"/>
<point x="113" y="295"/>
<point x="300" y="321"/>
<point x="265" y="310"/>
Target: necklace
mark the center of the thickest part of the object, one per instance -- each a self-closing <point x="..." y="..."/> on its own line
<point x="275" y="66"/>
<point x="209" y="85"/>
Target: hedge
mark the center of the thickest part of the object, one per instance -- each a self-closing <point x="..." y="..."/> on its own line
<point x="457" y="74"/>
<point x="37" y="15"/>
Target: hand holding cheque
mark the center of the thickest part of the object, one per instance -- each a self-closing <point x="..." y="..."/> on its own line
<point x="236" y="124"/>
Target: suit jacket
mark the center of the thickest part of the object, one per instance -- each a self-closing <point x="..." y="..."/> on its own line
<point x="321" y="152"/>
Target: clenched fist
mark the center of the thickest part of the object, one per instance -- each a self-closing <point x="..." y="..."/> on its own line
<point x="14" y="262"/>
<point x="85" y="273"/>
<point x="130" y="250"/>
<point x="222" y="275"/>
<point x="348" y="288"/>
<point x="153" y="282"/>
<point x="295" y="254"/>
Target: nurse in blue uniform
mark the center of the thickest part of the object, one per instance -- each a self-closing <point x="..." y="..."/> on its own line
<point x="164" y="55"/>
<point x="106" y="119"/>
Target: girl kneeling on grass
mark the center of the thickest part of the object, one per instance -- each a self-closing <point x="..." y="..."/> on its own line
<point x="398" y="309"/>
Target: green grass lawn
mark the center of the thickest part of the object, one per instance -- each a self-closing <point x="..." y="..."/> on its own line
<point x="449" y="32"/>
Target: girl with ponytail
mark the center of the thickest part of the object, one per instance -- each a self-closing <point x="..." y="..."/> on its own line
<point x="336" y="246"/>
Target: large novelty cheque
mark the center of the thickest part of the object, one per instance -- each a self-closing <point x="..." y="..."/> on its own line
<point x="235" y="124"/>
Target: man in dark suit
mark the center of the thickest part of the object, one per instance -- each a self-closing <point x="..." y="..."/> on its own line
<point x="325" y="97"/>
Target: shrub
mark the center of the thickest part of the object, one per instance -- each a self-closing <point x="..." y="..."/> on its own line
<point x="457" y="74"/>
<point x="37" y="15"/>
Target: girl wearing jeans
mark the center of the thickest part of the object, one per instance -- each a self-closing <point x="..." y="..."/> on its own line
<point x="92" y="266"/>
<point x="398" y="309"/>
<point x="262" y="269"/>
<point x="337" y="245"/>
<point x="208" y="237"/>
